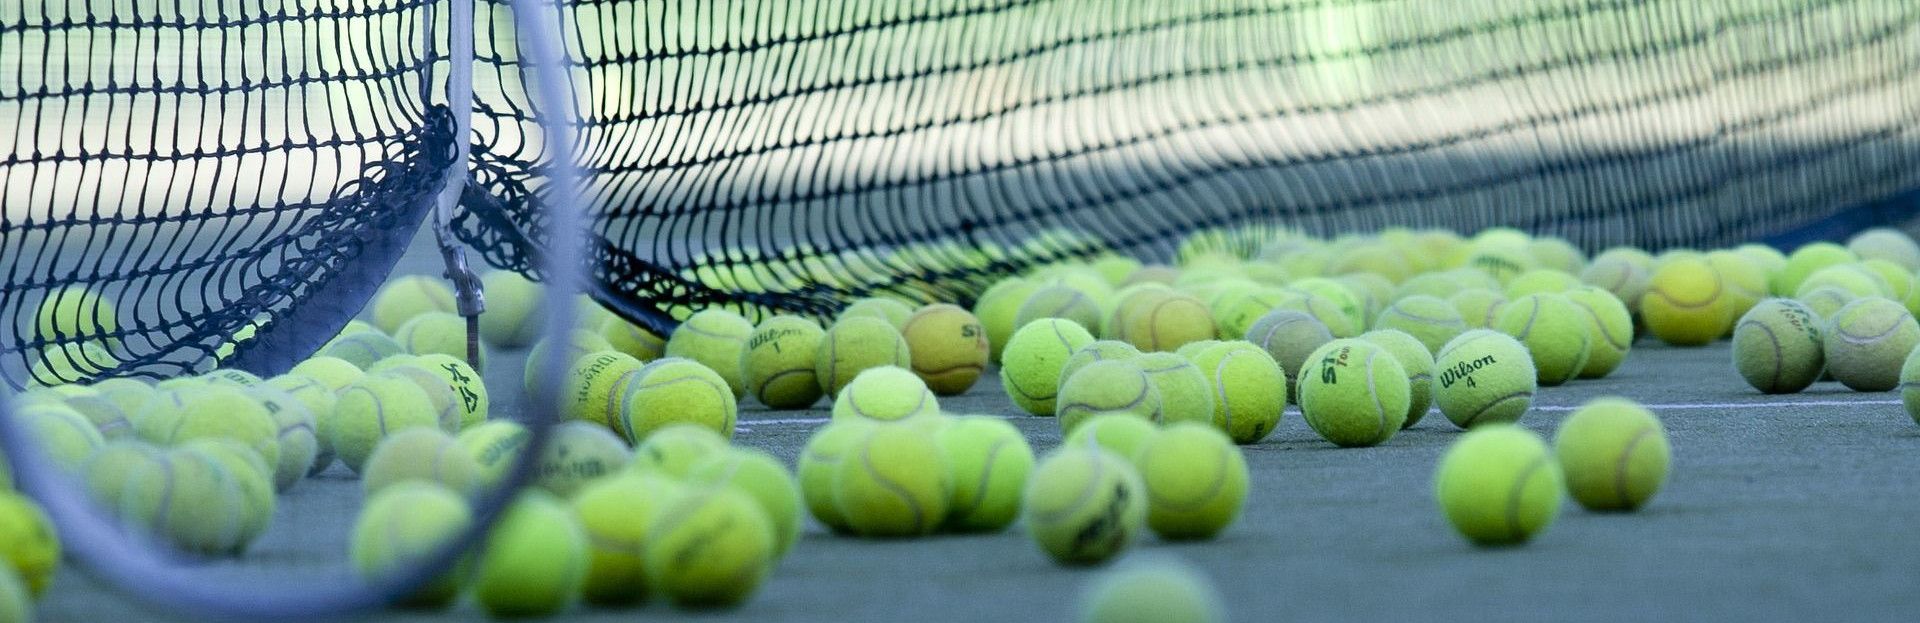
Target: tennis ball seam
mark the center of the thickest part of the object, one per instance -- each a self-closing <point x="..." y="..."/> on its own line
<point x="1839" y="328"/>
<point x="705" y="333"/>
<point x="1701" y="304"/>
<point x="760" y="392"/>
<point x="1220" y="389"/>
<point x="986" y="475"/>
<point x="1515" y="494"/>
<point x="1594" y="315"/>
<point x="1779" y="366"/>
<point x="1491" y="404"/>
<point x="1373" y="392"/>
<point x="866" y="462"/>
<point x="1620" y="466"/>
<point x="1396" y="310"/>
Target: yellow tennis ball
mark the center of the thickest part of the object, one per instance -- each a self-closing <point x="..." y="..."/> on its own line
<point x="890" y="310"/>
<point x="1288" y="336"/>
<point x="1152" y="591"/>
<point x="1540" y="281"/>
<point x="1059" y="301"/>
<point x="1107" y="387"/>
<point x="716" y="338"/>
<point x="1909" y="386"/>
<point x="1745" y="281"/>
<point x="420" y="454"/>
<point x="1867" y="341"/>
<point x="989" y="460"/>
<point x="1779" y="346"/>
<point x="62" y="433"/>
<point x="1478" y="307"/>
<point x="405" y="298"/>
<point x="634" y="340"/>
<point x="1555" y="333"/>
<point x="1805" y="261"/>
<point x="616" y="514"/>
<point x="674" y="449"/>
<point x="1097" y="350"/>
<point x="123" y="468"/>
<point x="361" y="350"/>
<point x="763" y="478"/>
<point x="673" y="391"/>
<point x="1897" y="279"/>
<point x="1825" y="302"/>
<point x="74" y="313"/>
<point x="125" y="392"/>
<point x="494" y="446"/>
<point x="227" y="412"/>
<point x="372" y="408"/>
<point x="101" y="411"/>
<point x="535" y="561"/>
<point x="1119" y="433"/>
<point x="469" y="389"/>
<point x="595" y="384"/>
<point x="709" y="547"/>
<point x="16" y="604"/>
<point x="1686" y="304"/>
<point x="1428" y="319"/>
<point x="29" y="545"/>
<point x="999" y="311"/>
<point x="1235" y="310"/>
<point x="1609" y="329"/>
<point x="193" y="511"/>
<point x="446" y="406"/>
<point x="1249" y="390"/>
<point x="1418" y="363"/>
<point x="252" y="477"/>
<point x="547" y="355"/>
<point x="885" y="394"/>
<point x="514" y="316"/>
<point x="400" y="527"/>
<point x="893" y="482"/>
<point x="1498" y="485"/>
<point x="1340" y="319"/>
<point x="297" y="437"/>
<point x="1083" y="505"/>
<point x="1853" y="277"/>
<point x="1614" y="454"/>
<point x="820" y="460"/>
<point x="1195" y="481"/>
<point x="577" y="454"/>
<point x="854" y="345"/>
<point x="948" y="347"/>
<point x="1164" y="324"/>
<point x="437" y="333"/>
<point x="1354" y="393"/>
<point x="1030" y="366"/>
<point x="779" y="362"/>
<point x="1484" y="376"/>
<point x="1185" y="393"/>
<point x="333" y="372"/>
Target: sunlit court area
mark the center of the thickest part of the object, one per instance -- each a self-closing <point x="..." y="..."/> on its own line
<point x="1108" y="311"/>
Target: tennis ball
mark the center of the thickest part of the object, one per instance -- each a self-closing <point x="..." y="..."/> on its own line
<point x="1866" y="338"/>
<point x="128" y="394"/>
<point x="989" y="460"/>
<point x="15" y="603"/>
<point x="250" y="475"/>
<point x="535" y="561"/>
<point x="229" y="376"/>
<point x="1855" y="278"/>
<point x="820" y="460"/>
<point x="1746" y="282"/>
<point x="333" y="372"/>
<point x="545" y="355"/>
<point x="1031" y="364"/>
<point x="1148" y="592"/>
<point x="890" y="310"/>
<point x="999" y="311"/>
<point x="577" y="454"/>
<point x="74" y="313"/>
<point x="372" y="408"/>
<point x="716" y="338"/>
<point x="1436" y="285"/>
<point x="297" y="438"/>
<point x="1083" y="505"/>
<point x="1418" y="363"/>
<point x="494" y="446"/>
<point x="893" y="482"/>
<point x="634" y="340"/>
<point x="676" y="391"/>
<point x="674" y="449"/>
<point x="1498" y="485"/>
<point x="1354" y="393"/>
<point x="1686" y="304"/>
<point x="1779" y="346"/>
<point x="423" y="454"/>
<point x="1059" y="301"/>
<point x="1622" y="273"/>
<point x="1185" y="393"/>
<point x="1478" y="307"/>
<point x="361" y="350"/>
<point x="616" y="514"/>
<point x="1119" y="433"/>
<point x="1195" y="481"/>
<point x="1432" y="321"/>
<point x="1898" y="280"/>
<point x="1165" y="323"/>
<point x="887" y="394"/>
<point x="1886" y="243"/>
<point x="1804" y="262"/>
<point x="400" y="527"/>
<point x="446" y="406"/>
<point x="1484" y="376"/>
<point x="1909" y="386"/>
<point x="1289" y="336"/>
<point x="405" y="298"/>
<point x="193" y="511"/>
<point x="1502" y="263"/>
<point x="1249" y="390"/>
<point x="948" y="347"/>
<point x="1234" y="311"/>
<point x="1115" y="268"/>
<point x="1609" y="329"/>
<point x="1193" y="349"/>
<point x="1375" y="291"/>
<point x="1614" y="454"/>
<point x="1557" y="254"/>
<point x="854" y="345"/>
<point x="763" y="478"/>
<point x="779" y="362"/>
<point x="469" y="390"/>
<point x="1098" y="350"/>
<point x="709" y="547"/>
<point x="1825" y="302"/>
<point x="29" y="545"/>
<point x="227" y="412"/>
<point x="514" y="315"/>
<point x="1555" y="333"/>
<point x="1342" y="320"/>
<point x="595" y="384"/>
<point x="1107" y="387"/>
<point x="1540" y="281"/>
<point x="437" y="333"/>
<point x="63" y="434"/>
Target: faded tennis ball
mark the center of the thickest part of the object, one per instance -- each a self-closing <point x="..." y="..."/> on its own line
<point x="894" y="482"/>
<point x="999" y="311"/>
<point x="421" y="454"/>
<point x="1499" y="485"/>
<point x="1686" y="303"/>
<point x="1418" y="363"/>
<point x="1867" y="341"/>
<point x="361" y="350"/>
<point x="616" y="514"/>
<point x="372" y="408"/>
<point x="1557" y="254"/>
<point x="1083" y="505"/>
<point x="1195" y="481"/>
<point x="1375" y="291"/>
<point x="854" y="345"/>
<point x="1898" y="280"/>
<point x="534" y="563"/>
<point x="1062" y="302"/>
<point x="1098" y="350"/>
<point x="1888" y="244"/>
<point x="400" y="527"/>
<point x="546" y="356"/>
<point x="779" y="362"/>
<point x="407" y="297"/>
<point x="1555" y="333"/>
<point x="29" y="544"/>
<point x="709" y="547"/>
<point x="1853" y="277"/>
<point x="1354" y="393"/>
<point x="1540" y="281"/>
<point x="674" y="449"/>
<point x="634" y="340"/>
<point x="1149" y="592"/>
<point x="577" y="454"/>
<point x="1438" y="285"/>
<point x="948" y="347"/>
<point x="1825" y="302"/>
<point x="298" y="434"/>
<point x="763" y="478"/>
<point x="891" y="310"/>
<point x="1164" y="324"/>
<point x="63" y="434"/>
<point x="1624" y="272"/>
<point x="1609" y="330"/>
<point x="333" y="372"/>
<point x="251" y="475"/>
<point x="1110" y="386"/>
<point x="1779" y="347"/>
<point x="1030" y="366"/>
<point x="1341" y="319"/>
<point x="1288" y="336"/>
<point x="1193" y="349"/>
<point x="194" y="510"/>
<point x="514" y="316"/>
<point x="1484" y="376"/>
<point x="989" y="460"/>
<point x="1806" y="260"/>
<point x="1432" y="321"/>
<point x="1249" y="390"/>
<point x="1234" y="311"/>
<point x="1502" y="263"/>
<point x="716" y="338"/>
<point x="1614" y="454"/>
<point x="819" y="460"/>
<point x="885" y="394"/>
<point x="1119" y="433"/>
<point x="1185" y="393"/>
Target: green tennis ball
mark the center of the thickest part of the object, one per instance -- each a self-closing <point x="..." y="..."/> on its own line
<point x="297" y="438"/>
<point x="372" y="408"/>
<point x="446" y="405"/>
<point x="854" y="345"/>
<point x="989" y="460"/>
<point x="251" y="475"/>
<point x="674" y="449"/>
<point x="716" y="338"/>
<point x="421" y="454"/>
<point x="1119" y="433"/>
<point x="1031" y="364"/>
<point x="595" y="384"/>
<point x="1061" y="302"/>
<point x="709" y="547"/>
<point x="1435" y="284"/>
<point x="1498" y="485"/>
<point x="1249" y="390"/>
<point x="1540" y="281"/>
<point x="1898" y="280"/>
<point x="779" y="362"/>
<point x="1193" y="349"/>
<point x="1557" y="254"/>
<point x="1502" y="263"/>
<point x="948" y="348"/>
<point x="1478" y="307"/>
<point x="514" y="316"/>
<point x="1805" y="261"/>
<point x="29" y="545"/>
<point x="1375" y="290"/>
<point x="1779" y="346"/>
<point x="763" y="478"/>
<point x="1113" y="318"/>
<point x="128" y="394"/>
<point x="673" y="391"/>
<point x="546" y="355"/>
<point x="634" y="340"/>
<point x="1853" y="277"/>
<point x="1166" y="323"/>
<point x="885" y="394"/>
<point x="400" y="527"/>
<point x="1185" y="393"/>
<point x="1555" y="333"/>
<point x="1098" y="350"/>
<point x="1614" y="454"/>
<point x="193" y="511"/>
<point x="1866" y="341"/>
<point x="494" y="446"/>
<point x="1428" y="319"/>
<point x="1909" y="386"/>
<point x="577" y="454"/>
<point x="231" y="413"/>
<point x="1107" y="387"/>
<point x="74" y="313"/>
<point x="1115" y="268"/>
<point x="819" y="460"/>
<point x="1418" y="363"/>
<point x="1195" y="481"/>
<point x="1237" y="309"/>
<point x="63" y="434"/>
<point x="1339" y="321"/>
<point x="469" y="388"/>
<point x="1609" y="329"/>
<point x="616" y="514"/>
<point x="999" y="310"/>
<point x="1084" y="505"/>
<point x="1745" y="281"/>
<point x="15" y="602"/>
<point x="1354" y="393"/>
<point x="333" y="372"/>
<point x="1825" y="302"/>
<point x="1484" y="376"/>
<point x="437" y="333"/>
<point x="890" y="310"/>
<point x="361" y="350"/>
<point x="405" y="298"/>
<point x="1148" y="592"/>
<point x="1289" y="336"/>
<point x="535" y="561"/>
<point x="229" y="376"/>
<point x="893" y="482"/>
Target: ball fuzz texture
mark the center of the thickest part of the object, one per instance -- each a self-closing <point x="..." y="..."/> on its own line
<point x="400" y="527"/>
<point x="1107" y="387"/>
<point x="1498" y="485"/>
<point x="1779" y="347"/>
<point x="1555" y="333"/>
<point x="535" y="561"/>
<point x="1686" y="303"/>
<point x="1249" y="390"/>
<point x="893" y="482"/>
<point x="1031" y="364"/>
<point x="854" y="345"/>
<point x="990" y="461"/>
<point x="1483" y="376"/>
<point x="1614" y="454"/>
<point x="710" y="547"/>
<point x="1354" y="393"/>
<point x="885" y="394"/>
<point x="1868" y="340"/>
<point x="780" y="360"/>
<point x="948" y="346"/>
<point x="1083" y="505"/>
<point x="1195" y="481"/>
